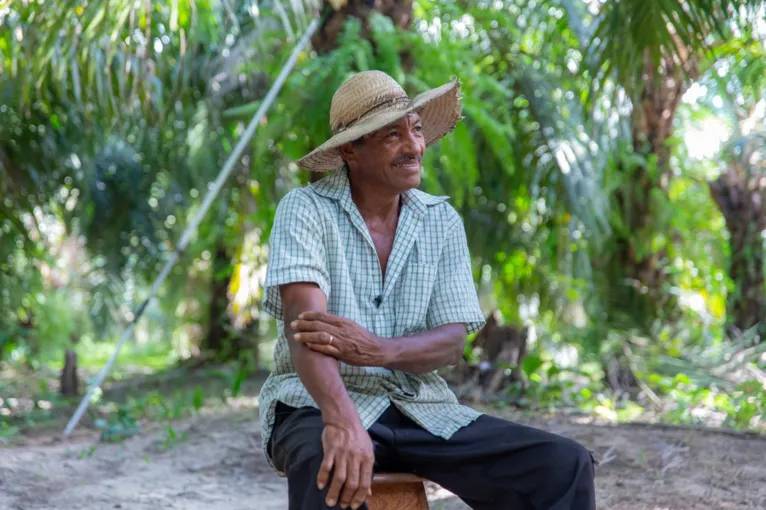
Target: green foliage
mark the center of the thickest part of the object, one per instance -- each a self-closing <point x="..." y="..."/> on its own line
<point x="86" y="452"/>
<point x="7" y="431"/>
<point x="124" y="420"/>
<point x="198" y="398"/>
<point x="111" y="130"/>
<point x="116" y="116"/>
<point x="173" y="438"/>
<point x="531" y="364"/>
<point x="158" y="406"/>
<point x="631" y="34"/>
<point x="742" y="407"/>
<point x="120" y="427"/>
<point x="549" y="386"/>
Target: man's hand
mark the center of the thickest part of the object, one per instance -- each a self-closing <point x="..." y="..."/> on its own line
<point x="348" y="449"/>
<point x="341" y="338"/>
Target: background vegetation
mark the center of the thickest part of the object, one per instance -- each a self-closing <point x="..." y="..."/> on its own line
<point x="610" y="171"/>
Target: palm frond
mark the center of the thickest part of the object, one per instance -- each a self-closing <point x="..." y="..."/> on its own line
<point x="721" y="364"/>
<point x="632" y="36"/>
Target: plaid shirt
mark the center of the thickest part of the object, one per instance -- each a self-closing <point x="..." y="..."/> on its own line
<point x="319" y="236"/>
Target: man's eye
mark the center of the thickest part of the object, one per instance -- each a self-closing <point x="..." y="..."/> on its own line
<point x="392" y="134"/>
<point x="418" y="129"/>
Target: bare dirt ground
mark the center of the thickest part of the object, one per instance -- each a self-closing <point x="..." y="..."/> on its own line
<point x="215" y="462"/>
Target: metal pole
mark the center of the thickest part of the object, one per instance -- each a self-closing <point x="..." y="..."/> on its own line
<point x="192" y="227"/>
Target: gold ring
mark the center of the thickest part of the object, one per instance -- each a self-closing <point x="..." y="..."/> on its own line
<point x="330" y="340"/>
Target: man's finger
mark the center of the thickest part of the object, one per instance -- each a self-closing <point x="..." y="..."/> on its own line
<point x="314" y="337"/>
<point x="352" y="483"/>
<point x="324" y="349"/>
<point x="338" y="479"/>
<point x="365" y="484"/>
<point x="325" y="468"/>
<point x="321" y="316"/>
<point x="309" y="325"/>
<point x="312" y="315"/>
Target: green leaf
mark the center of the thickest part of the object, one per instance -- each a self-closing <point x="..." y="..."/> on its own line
<point x="199" y="398"/>
<point x="531" y="364"/>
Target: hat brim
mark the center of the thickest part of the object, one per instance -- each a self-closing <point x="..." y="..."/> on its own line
<point x="439" y="110"/>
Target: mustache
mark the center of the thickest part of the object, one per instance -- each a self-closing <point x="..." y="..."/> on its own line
<point x="406" y="159"/>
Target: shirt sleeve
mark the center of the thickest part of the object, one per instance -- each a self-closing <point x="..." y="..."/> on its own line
<point x="296" y="250"/>
<point x="454" y="298"/>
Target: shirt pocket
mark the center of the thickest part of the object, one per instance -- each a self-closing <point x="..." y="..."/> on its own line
<point x="416" y="284"/>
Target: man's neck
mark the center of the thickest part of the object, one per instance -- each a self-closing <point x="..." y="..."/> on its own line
<point x="375" y="204"/>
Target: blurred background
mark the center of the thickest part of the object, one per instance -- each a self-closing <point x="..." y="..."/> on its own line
<point x="609" y="169"/>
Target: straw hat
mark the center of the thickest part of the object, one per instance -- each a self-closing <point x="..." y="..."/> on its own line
<point x="371" y="100"/>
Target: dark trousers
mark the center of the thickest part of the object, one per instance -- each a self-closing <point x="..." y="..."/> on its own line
<point x="490" y="464"/>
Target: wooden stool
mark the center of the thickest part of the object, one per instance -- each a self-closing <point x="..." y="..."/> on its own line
<point x="397" y="491"/>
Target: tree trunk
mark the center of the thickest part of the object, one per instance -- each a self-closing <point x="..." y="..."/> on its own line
<point x="741" y="198"/>
<point x="326" y="38"/>
<point x="70" y="383"/>
<point x="219" y="342"/>
<point x="502" y="346"/>
<point x="652" y="126"/>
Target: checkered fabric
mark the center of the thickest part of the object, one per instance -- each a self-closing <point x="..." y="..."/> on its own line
<point x="319" y="236"/>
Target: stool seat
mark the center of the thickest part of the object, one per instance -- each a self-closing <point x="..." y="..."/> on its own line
<point x="397" y="491"/>
<point x="397" y="478"/>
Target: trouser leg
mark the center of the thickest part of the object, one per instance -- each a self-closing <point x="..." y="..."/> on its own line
<point x="496" y="464"/>
<point x="491" y="464"/>
<point x="296" y="449"/>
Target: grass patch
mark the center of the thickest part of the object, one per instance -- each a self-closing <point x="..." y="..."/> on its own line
<point x="31" y="406"/>
<point x="92" y="356"/>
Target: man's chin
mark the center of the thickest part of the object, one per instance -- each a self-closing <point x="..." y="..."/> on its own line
<point x="411" y="179"/>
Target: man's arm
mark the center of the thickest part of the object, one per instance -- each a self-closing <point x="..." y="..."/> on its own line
<point x="346" y="445"/>
<point x="426" y="351"/>
<point x="319" y="373"/>
<point x="346" y="340"/>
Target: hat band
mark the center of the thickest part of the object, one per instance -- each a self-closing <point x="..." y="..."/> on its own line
<point x="401" y="101"/>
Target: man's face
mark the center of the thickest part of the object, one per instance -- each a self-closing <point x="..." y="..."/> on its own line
<point x="390" y="157"/>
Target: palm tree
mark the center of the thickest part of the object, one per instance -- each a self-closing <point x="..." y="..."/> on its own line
<point x="114" y="125"/>
<point x="740" y="190"/>
<point x="529" y="167"/>
<point x="508" y="125"/>
<point x="649" y="53"/>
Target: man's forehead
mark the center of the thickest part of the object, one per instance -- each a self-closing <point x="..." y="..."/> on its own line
<point x="412" y="117"/>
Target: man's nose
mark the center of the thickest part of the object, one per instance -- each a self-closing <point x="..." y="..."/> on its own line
<point x="414" y="144"/>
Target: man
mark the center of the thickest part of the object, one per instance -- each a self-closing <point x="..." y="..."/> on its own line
<point x="370" y="281"/>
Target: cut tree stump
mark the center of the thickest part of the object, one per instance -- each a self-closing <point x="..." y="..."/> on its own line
<point x="70" y="383"/>
<point x="397" y="491"/>
<point x="501" y="346"/>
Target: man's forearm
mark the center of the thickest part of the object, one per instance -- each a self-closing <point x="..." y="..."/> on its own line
<point x="320" y="375"/>
<point x="425" y="351"/>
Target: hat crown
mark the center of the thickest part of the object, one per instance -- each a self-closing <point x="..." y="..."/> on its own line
<point x="362" y="94"/>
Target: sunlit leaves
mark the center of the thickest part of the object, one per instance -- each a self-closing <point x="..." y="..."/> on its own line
<point x="114" y="128"/>
<point x="633" y="35"/>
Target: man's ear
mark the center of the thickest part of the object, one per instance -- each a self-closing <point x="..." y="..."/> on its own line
<point x="348" y="153"/>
